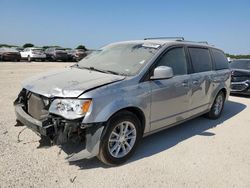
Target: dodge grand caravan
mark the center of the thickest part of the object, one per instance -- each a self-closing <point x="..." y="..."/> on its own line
<point x="123" y="92"/>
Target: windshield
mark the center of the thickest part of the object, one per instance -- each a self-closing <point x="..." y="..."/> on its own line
<point x="240" y="64"/>
<point x="60" y="49"/>
<point x="37" y="50"/>
<point x="122" y="58"/>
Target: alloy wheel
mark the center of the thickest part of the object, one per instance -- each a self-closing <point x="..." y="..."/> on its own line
<point x="122" y="139"/>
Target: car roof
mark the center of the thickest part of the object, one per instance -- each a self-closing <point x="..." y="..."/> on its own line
<point x="167" y="42"/>
<point x="33" y="48"/>
<point x="7" y="49"/>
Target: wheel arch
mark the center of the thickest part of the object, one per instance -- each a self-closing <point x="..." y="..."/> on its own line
<point x="216" y="92"/>
<point x="224" y="92"/>
<point x="136" y="111"/>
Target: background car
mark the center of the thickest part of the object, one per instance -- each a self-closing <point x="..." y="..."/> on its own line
<point x="240" y="83"/>
<point x="9" y="54"/>
<point x="33" y="54"/>
<point x="77" y="54"/>
<point x="20" y="49"/>
<point x="56" y="54"/>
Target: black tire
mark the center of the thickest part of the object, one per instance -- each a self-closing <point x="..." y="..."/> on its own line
<point x="104" y="154"/>
<point x="53" y="58"/>
<point x="213" y="113"/>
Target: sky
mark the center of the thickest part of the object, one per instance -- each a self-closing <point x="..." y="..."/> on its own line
<point x="69" y="23"/>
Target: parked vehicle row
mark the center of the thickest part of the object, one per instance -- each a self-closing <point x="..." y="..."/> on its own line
<point x="39" y="54"/>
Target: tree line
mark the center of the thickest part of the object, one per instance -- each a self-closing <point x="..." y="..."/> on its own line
<point x="238" y="56"/>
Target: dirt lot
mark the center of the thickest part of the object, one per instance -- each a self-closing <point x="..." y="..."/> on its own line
<point x="199" y="153"/>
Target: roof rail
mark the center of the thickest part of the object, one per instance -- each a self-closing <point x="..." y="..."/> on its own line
<point x="201" y="42"/>
<point x="205" y="42"/>
<point x="173" y="38"/>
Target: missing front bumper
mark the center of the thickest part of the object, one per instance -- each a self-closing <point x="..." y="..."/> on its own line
<point x="92" y="133"/>
<point x="41" y="128"/>
<point x="93" y="140"/>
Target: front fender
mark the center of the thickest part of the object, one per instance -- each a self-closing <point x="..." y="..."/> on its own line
<point x="104" y="113"/>
<point x="116" y="106"/>
<point x="110" y="99"/>
<point x="108" y="110"/>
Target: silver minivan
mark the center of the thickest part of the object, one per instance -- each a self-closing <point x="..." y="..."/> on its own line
<point x="123" y="92"/>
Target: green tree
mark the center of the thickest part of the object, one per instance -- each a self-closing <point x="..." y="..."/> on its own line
<point x="28" y="45"/>
<point x="7" y="45"/>
<point x="82" y="47"/>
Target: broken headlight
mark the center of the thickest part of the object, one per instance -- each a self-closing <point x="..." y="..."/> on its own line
<point x="70" y="108"/>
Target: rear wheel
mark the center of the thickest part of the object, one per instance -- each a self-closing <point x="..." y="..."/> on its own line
<point x="53" y="58"/>
<point x="217" y="107"/>
<point x="122" y="134"/>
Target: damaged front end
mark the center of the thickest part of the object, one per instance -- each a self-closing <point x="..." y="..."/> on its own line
<point x="34" y="111"/>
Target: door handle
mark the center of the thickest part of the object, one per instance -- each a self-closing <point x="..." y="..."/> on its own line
<point x="185" y="84"/>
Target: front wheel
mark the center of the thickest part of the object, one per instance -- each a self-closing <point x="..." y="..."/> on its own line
<point x="121" y="136"/>
<point x="217" y="106"/>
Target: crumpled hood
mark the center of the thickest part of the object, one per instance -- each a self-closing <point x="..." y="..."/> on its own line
<point x="68" y="82"/>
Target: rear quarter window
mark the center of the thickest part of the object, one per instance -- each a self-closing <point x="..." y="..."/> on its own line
<point x="220" y="60"/>
<point x="201" y="59"/>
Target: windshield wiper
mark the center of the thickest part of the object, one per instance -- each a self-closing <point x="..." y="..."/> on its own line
<point x="113" y="72"/>
<point x="101" y="70"/>
<point x="91" y="68"/>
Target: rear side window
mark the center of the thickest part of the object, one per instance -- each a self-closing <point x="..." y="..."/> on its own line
<point x="201" y="59"/>
<point x="176" y="59"/>
<point x="220" y="60"/>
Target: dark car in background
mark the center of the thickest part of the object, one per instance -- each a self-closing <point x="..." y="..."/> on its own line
<point x="77" y="54"/>
<point x="9" y="54"/>
<point x="56" y="54"/>
<point x="240" y="83"/>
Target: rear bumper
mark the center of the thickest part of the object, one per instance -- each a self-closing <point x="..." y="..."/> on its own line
<point x="11" y="57"/>
<point x="41" y="128"/>
<point x="38" y="56"/>
<point x="61" y="57"/>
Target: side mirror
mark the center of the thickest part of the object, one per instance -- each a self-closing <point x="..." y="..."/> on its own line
<point x="162" y="72"/>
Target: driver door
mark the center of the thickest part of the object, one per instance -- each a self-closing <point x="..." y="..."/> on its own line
<point x="170" y="97"/>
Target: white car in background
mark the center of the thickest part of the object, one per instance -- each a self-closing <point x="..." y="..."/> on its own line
<point x="33" y="54"/>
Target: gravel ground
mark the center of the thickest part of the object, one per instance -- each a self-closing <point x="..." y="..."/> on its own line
<point x="199" y="153"/>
